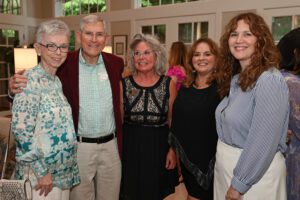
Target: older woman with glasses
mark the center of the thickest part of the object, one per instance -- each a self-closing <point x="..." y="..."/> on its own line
<point x="146" y="101"/>
<point x="42" y="120"/>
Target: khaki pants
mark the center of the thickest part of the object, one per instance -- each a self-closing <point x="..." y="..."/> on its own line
<point x="271" y="186"/>
<point x="100" y="172"/>
<point x="55" y="194"/>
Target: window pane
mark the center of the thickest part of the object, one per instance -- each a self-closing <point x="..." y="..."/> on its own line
<point x="4" y="104"/>
<point x="160" y="32"/>
<point x="185" y="32"/>
<point x="154" y="2"/>
<point x="6" y="56"/>
<point x="281" y="26"/>
<point x="84" y="7"/>
<point x="147" y="30"/>
<point x="68" y="7"/>
<point x="200" y="30"/>
<point x="72" y="41"/>
<point x="2" y="38"/>
<point x="145" y="3"/>
<point x="3" y="70"/>
<point x="75" y="8"/>
<point x="10" y="7"/>
<point x="9" y="37"/>
<point x="101" y="6"/>
<point x="179" y="1"/>
<point x="16" y="7"/>
<point x="163" y="2"/>
<point x="93" y="8"/>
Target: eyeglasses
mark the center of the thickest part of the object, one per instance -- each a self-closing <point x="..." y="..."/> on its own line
<point x="53" y="47"/>
<point x="91" y="35"/>
<point x="146" y="53"/>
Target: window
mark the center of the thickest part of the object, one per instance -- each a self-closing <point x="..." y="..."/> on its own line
<point x="72" y="41"/>
<point x="8" y="40"/>
<point x="158" y="30"/>
<point x="10" y="7"/>
<point x="190" y="32"/>
<point x="78" y="7"/>
<point x="284" y="24"/>
<point x="148" y="3"/>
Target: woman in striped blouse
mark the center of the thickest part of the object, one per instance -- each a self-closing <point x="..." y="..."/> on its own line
<point x="252" y="119"/>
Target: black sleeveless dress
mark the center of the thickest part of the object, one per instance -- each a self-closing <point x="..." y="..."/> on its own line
<point x="194" y="136"/>
<point x="145" y="142"/>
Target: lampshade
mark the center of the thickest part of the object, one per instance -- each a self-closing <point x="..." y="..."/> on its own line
<point x="107" y="49"/>
<point x="25" y="58"/>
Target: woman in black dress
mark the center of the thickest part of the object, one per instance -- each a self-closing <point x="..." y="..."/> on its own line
<point x="148" y="162"/>
<point x="193" y="130"/>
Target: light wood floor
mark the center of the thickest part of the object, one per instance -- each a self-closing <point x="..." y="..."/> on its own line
<point x="180" y="193"/>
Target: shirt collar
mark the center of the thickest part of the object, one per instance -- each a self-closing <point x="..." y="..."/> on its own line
<point x="82" y="60"/>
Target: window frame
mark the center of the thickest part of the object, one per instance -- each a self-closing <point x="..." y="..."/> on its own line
<point x="61" y="12"/>
<point x="172" y="26"/>
<point x="279" y="12"/>
<point x="139" y="3"/>
<point x="11" y="10"/>
<point x="20" y="30"/>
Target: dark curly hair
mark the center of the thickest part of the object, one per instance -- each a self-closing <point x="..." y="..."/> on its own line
<point x="265" y="56"/>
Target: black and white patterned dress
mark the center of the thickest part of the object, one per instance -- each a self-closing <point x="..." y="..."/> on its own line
<point x="145" y="145"/>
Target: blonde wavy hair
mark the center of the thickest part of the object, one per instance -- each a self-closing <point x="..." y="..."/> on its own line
<point x="157" y="48"/>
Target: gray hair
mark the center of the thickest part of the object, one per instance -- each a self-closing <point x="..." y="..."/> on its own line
<point x="155" y="45"/>
<point x="91" y="19"/>
<point x="52" y="27"/>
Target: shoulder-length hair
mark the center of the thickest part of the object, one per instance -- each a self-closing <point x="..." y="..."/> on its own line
<point x="190" y="71"/>
<point x="178" y="54"/>
<point x="156" y="47"/>
<point x="265" y="55"/>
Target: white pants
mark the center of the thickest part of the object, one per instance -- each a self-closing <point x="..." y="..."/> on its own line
<point x="55" y="194"/>
<point x="271" y="186"/>
<point x="100" y="171"/>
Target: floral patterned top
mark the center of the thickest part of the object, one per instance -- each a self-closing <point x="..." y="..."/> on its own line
<point x="43" y="128"/>
<point x="178" y="73"/>
<point x="293" y="151"/>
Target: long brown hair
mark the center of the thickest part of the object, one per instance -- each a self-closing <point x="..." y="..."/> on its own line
<point x="265" y="56"/>
<point x="178" y="53"/>
<point x="190" y="74"/>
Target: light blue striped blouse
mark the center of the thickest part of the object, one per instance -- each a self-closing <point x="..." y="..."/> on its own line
<point x="255" y="121"/>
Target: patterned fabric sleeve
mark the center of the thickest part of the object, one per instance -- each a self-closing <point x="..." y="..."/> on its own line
<point x="25" y="110"/>
<point x="293" y="83"/>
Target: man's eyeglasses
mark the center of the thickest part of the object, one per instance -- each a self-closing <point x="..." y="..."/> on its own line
<point x="53" y="47"/>
<point x="91" y="35"/>
<point x="146" y="53"/>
